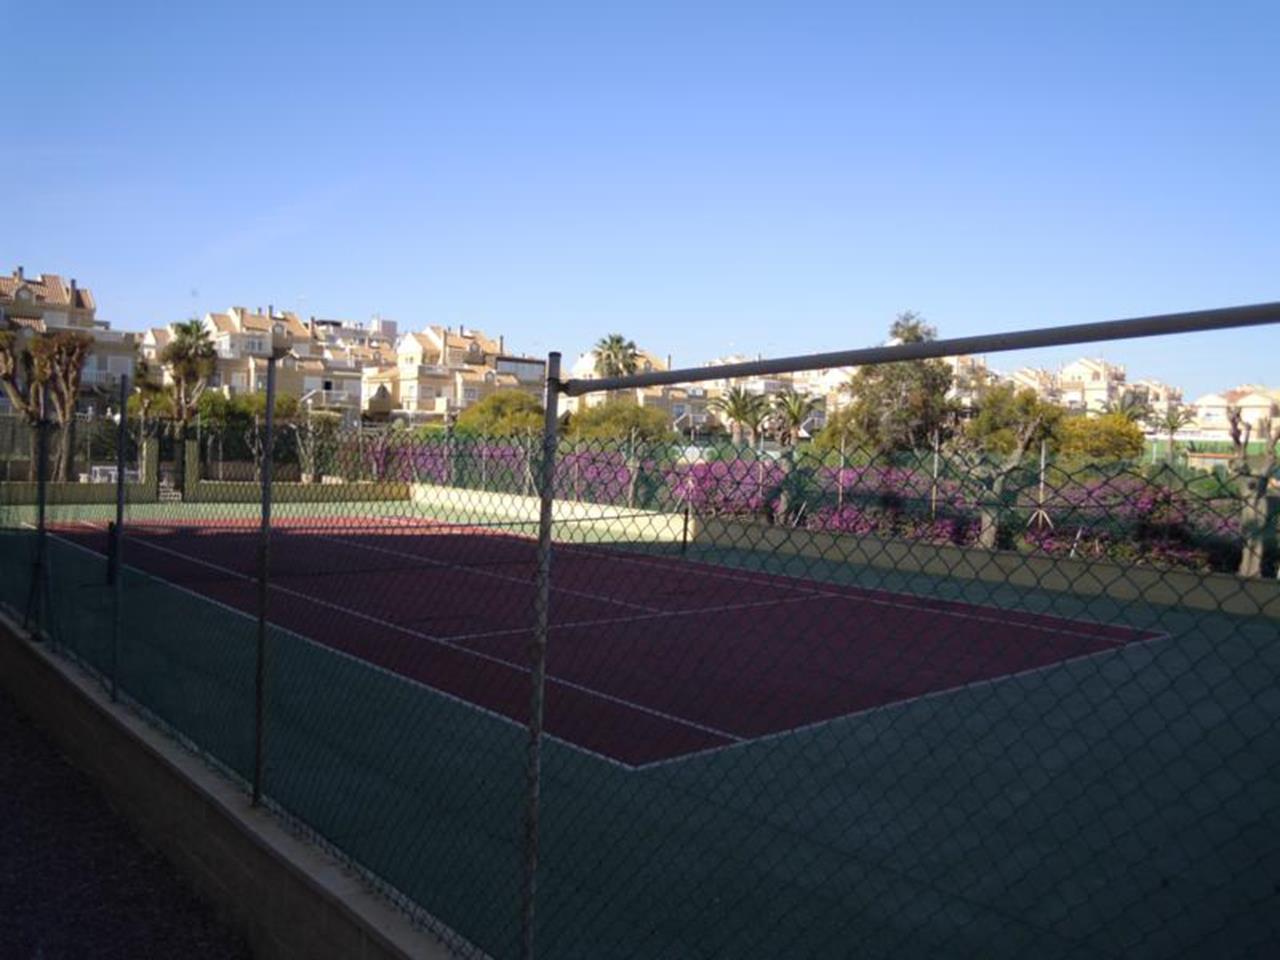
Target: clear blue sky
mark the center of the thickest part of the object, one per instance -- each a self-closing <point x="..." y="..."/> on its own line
<point x="703" y="177"/>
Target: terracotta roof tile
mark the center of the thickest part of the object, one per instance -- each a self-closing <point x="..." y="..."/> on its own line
<point x="47" y="289"/>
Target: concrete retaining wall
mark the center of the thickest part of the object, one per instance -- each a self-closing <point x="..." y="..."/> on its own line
<point x="146" y="490"/>
<point x="462" y="505"/>
<point x="284" y="895"/>
<point x="238" y="491"/>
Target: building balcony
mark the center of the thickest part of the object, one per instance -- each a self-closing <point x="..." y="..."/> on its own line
<point x="99" y="378"/>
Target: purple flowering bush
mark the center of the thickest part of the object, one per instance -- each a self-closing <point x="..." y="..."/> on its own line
<point x="1162" y="519"/>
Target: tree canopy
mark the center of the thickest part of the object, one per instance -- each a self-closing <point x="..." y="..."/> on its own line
<point x="503" y="413"/>
<point x="616" y="356"/>
<point x="904" y="405"/>
<point x="1112" y="436"/>
<point x="190" y="358"/>
<point x="745" y="411"/>
<point x="1002" y="411"/>
<point x="791" y="411"/>
<point x="620" y="418"/>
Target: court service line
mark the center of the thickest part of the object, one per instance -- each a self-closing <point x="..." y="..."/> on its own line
<point x="857" y="593"/>
<point x="478" y="571"/>
<point x="440" y="641"/>
<point x="813" y="590"/>
<point x="662" y="614"/>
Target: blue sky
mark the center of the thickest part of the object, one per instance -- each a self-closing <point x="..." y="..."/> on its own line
<point x="703" y="177"/>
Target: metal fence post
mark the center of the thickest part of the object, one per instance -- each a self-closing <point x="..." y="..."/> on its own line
<point x="116" y="570"/>
<point x="538" y="654"/>
<point x="264" y="556"/>
<point x="36" y="592"/>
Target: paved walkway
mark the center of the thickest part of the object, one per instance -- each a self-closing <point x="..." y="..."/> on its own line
<point x="75" y="880"/>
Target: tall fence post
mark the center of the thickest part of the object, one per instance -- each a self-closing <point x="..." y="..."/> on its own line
<point x="116" y="570"/>
<point x="538" y="655"/>
<point x="264" y="558"/>
<point x="36" y="607"/>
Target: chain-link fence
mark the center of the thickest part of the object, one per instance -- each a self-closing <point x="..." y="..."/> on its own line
<point x="629" y="698"/>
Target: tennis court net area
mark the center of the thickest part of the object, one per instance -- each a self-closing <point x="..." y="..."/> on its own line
<point x="766" y="726"/>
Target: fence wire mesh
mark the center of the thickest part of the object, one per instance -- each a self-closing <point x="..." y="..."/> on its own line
<point x="821" y="700"/>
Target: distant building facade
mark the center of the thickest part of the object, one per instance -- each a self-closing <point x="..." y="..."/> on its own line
<point x="45" y="304"/>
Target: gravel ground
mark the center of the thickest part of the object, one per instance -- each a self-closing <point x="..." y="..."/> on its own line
<point x="75" y="880"/>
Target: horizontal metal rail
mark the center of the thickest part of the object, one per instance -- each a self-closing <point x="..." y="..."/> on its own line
<point x="1154" y="326"/>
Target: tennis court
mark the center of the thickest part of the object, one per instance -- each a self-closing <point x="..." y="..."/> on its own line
<point x="651" y="657"/>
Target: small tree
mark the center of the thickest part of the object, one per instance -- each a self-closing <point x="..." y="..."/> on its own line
<point x="503" y="413"/>
<point x="990" y="456"/>
<point x="190" y="359"/>
<point x="903" y="405"/>
<point x="1111" y="436"/>
<point x="314" y="435"/>
<point x="791" y="411"/>
<point x="1169" y="422"/>
<point x="1001" y="410"/>
<point x="1253" y="481"/>
<point x="620" y="418"/>
<point x="1134" y="407"/>
<point x="64" y="354"/>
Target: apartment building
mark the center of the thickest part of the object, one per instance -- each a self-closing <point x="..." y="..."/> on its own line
<point x="439" y="371"/>
<point x="1042" y="382"/>
<point x="1090" y="384"/>
<point x="321" y="362"/>
<point x="1157" y="394"/>
<point x="44" y="303"/>
<point x="1255" y="403"/>
<point x="969" y="376"/>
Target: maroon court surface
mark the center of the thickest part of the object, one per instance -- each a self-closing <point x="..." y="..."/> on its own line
<point x="650" y="658"/>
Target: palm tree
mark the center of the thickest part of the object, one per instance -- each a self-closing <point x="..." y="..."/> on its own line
<point x="741" y="409"/>
<point x="1173" y="419"/>
<point x="1132" y="406"/>
<point x="190" y="359"/>
<point x="790" y="411"/>
<point x="616" y="356"/>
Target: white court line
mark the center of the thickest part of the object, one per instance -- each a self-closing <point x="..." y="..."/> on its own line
<point x="811" y="590"/>
<point x="913" y="603"/>
<point x="896" y="704"/>
<point x="367" y="664"/>
<point x="440" y="641"/>
<point x="859" y="594"/>
<point x="479" y="571"/>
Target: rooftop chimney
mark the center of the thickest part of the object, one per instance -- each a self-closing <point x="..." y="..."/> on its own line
<point x="18" y="273"/>
<point x="668" y="361"/>
<point x="73" y="291"/>
<point x="502" y="348"/>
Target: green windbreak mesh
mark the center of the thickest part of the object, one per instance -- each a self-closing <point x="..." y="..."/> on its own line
<point x="816" y="698"/>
